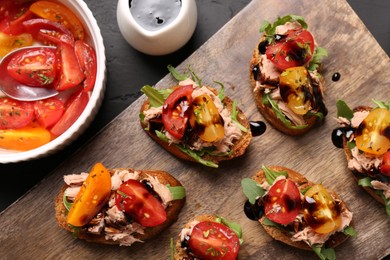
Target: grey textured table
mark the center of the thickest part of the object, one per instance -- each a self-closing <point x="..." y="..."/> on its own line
<point x="129" y="70"/>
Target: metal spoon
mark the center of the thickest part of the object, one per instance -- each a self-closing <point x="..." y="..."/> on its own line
<point x="16" y="90"/>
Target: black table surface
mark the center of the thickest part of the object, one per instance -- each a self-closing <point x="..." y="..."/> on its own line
<point x="129" y="70"/>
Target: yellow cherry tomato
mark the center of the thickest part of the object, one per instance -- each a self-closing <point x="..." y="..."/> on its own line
<point x="294" y="88"/>
<point x="373" y="134"/>
<point x="93" y="195"/>
<point x="206" y="120"/>
<point x="25" y="138"/>
<point x="9" y="43"/>
<point x="320" y="210"/>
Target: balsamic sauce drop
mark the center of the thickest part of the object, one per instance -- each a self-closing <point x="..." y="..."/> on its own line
<point x="262" y="47"/>
<point x="257" y="127"/>
<point x="338" y="133"/>
<point x="255" y="211"/>
<point x="336" y="76"/>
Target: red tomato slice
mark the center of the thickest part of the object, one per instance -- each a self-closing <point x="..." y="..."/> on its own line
<point x="385" y="166"/>
<point x="135" y="200"/>
<point x="70" y="72"/>
<point x="48" y="111"/>
<point x="212" y="240"/>
<point x="295" y="49"/>
<point x="283" y="202"/>
<point x="59" y="13"/>
<point x="175" y="110"/>
<point x="46" y="31"/>
<point x="34" y="67"/>
<point x="74" y="108"/>
<point x="15" y="114"/>
<point x="12" y="17"/>
<point x="87" y="60"/>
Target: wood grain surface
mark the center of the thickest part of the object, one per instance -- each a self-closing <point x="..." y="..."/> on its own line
<point x="28" y="228"/>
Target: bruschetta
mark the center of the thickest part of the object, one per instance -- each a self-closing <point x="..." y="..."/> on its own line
<point x="195" y="122"/>
<point x="208" y="237"/>
<point x="118" y="206"/>
<point x="284" y="75"/>
<point x="297" y="212"/>
<point x="365" y="139"/>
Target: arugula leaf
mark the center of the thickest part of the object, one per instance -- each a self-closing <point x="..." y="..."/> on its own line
<point x="319" y="53"/>
<point x="350" y="231"/>
<point x="234" y="117"/>
<point x="351" y="145"/>
<point x="343" y="110"/>
<point x="178" y="192"/>
<point x="194" y="76"/>
<point x="324" y="253"/>
<point x="270" y="223"/>
<point x="269" y="28"/>
<point x="232" y="225"/>
<point x="365" y="182"/>
<point x="251" y="190"/>
<point x="382" y="104"/>
<point x="305" y="190"/>
<point x="221" y="92"/>
<point x="67" y="204"/>
<point x="197" y="157"/>
<point x="271" y="175"/>
<point x="279" y="114"/>
<point x="156" y="96"/>
<point x="176" y="74"/>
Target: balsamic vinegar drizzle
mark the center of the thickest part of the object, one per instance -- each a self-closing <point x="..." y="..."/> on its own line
<point x="338" y="133"/>
<point x="257" y="127"/>
<point x="255" y="211"/>
<point x="336" y="76"/>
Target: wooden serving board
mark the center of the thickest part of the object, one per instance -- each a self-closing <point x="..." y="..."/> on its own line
<point x="28" y="228"/>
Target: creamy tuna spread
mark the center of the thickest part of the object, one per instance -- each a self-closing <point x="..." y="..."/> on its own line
<point x="111" y="221"/>
<point x="231" y="128"/>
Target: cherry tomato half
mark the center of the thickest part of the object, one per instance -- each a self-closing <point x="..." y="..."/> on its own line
<point x="373" y="135"/>
<point x="385" y="166"/>
<point x="135" y="200"/>
<point x="35" y="67"/>
<point x="15" y="14"/>
<point x="87" y="60"/>
<point x="320" y="210"/>
<point x="176" y="109"/>
<point x="48" y="111"/>
<point x="295" y="48"/>
<point x="74" y="107"/>
<point x="206" y="120"/>
<point x="46" y="31"/>
<point x="212" y="240"/>
<point x="92" y="197"/>
<point x="283" y="202"/>
<point x="59" y="13"/>
<point x="294" y="88"/>
<point x="9" y="43"/>
<point x="71" y="74"/>
<point x="15" y="114"/>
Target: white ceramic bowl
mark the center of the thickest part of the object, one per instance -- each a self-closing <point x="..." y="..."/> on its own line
<point x="94" y="38"/>
<point x="163" y="41"/>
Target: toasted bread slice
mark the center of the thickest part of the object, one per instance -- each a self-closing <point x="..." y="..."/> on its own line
<point x="282" y="234"/>
<point x="172" y="210"/>
<point x="237" y="149"/>
<point x="348" y="156"/>
<point x="266" y="110"/>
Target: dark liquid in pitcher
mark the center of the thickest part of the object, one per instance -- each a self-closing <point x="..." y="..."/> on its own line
<point x="154" y="14"/>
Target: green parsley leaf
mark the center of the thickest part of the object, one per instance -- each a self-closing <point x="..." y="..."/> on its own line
<point x="251" y="190"/>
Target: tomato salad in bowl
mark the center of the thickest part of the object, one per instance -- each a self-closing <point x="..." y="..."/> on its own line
<point x="74" y="66"/>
